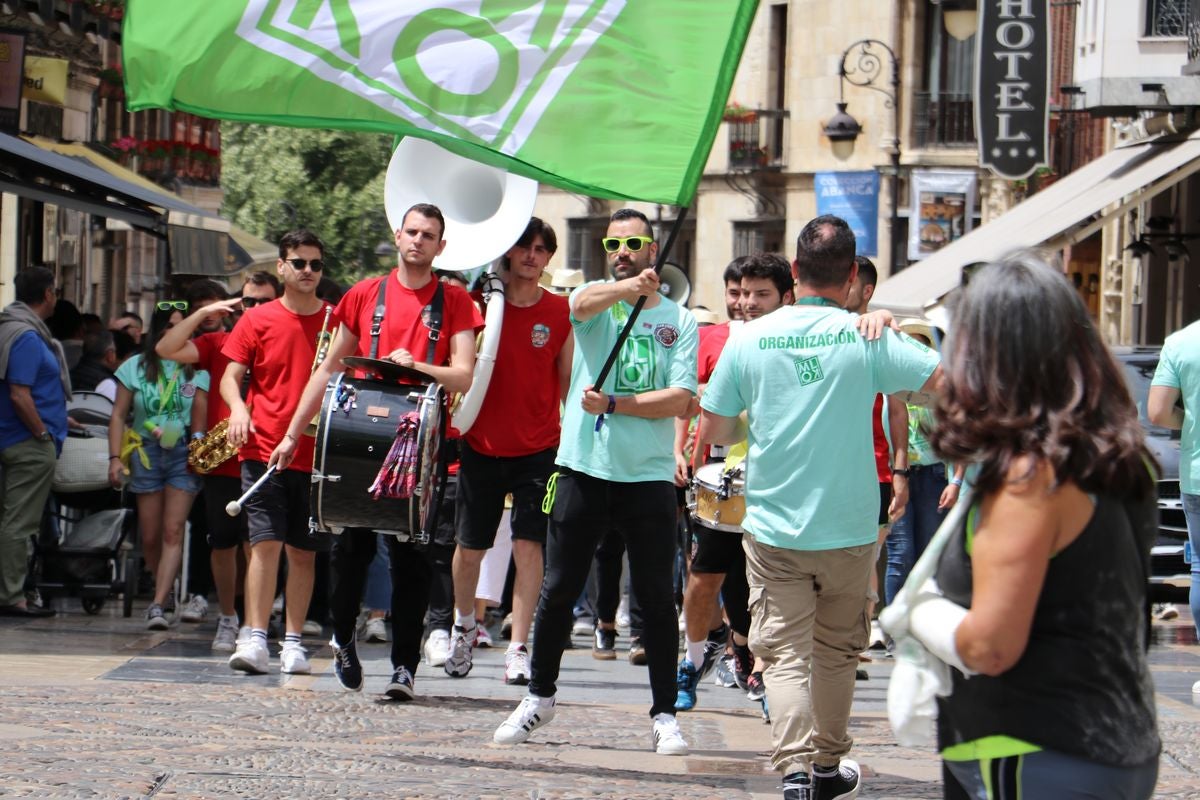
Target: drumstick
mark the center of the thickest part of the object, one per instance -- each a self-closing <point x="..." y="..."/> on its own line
<point x="234" y="507"/>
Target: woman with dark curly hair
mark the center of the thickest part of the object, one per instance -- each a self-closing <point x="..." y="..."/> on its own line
<point x="1044" y="584"/>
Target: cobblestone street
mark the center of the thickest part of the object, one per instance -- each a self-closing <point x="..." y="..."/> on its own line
<point x="97" y="707"/>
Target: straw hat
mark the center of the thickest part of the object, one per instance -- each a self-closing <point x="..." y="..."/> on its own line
<point x="563" y="280"/>
<point x="705" y="316"/>
<point x="919" y="327"/>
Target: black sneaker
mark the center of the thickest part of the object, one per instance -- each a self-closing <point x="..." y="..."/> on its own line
<point x="839" y="784"/>
<point x="604" y="644"/>
<point x="637" y="652"/>
<point x="401" y="685"/>
<point x="755" y="690"/>
<point x="346" y="666"/>
<point x="714" y="648"/>
<point x="743" y="664"/>
<point x="797" y="786"/>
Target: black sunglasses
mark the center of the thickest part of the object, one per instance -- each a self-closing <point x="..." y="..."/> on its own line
<point x="251" y="302"/>
<point x="316" y="264"/>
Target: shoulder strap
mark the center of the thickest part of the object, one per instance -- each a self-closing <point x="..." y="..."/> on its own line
<point x="435" y="320"/>
<point x="377" y="318"/>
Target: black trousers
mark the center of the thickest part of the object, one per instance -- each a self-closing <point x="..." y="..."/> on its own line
<point x="586" y="509"/>
<point x="421" y="581"/>
<point x="352" y="554"/>
<point x="609" y="559"/>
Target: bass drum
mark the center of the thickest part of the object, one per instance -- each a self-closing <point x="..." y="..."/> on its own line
<point x="355" y="431"/>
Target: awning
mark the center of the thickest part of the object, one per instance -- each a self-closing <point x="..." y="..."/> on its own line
<point x="179" y="211"/>
<point x="74" y="176"/>
<point x="248" y="253"/>
<point x="1067" y="211"/>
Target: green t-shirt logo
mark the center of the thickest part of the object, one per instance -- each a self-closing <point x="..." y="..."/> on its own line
<point x="635" y="367"/>
<point x="808" y="370"/>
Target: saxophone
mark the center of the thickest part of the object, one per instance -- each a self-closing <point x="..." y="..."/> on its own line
<point x="210" y="452"/>
<point x="205" y="455"/>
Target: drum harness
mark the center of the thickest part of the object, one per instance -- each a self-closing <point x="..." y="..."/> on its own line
<point x="397" y="477"/>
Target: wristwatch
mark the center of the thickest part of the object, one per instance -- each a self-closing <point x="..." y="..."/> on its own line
<point x="44" y="436"/>
<point x="900" y="471"/>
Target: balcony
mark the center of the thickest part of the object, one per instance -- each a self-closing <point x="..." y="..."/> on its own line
<point x="756" y="138"/>
<point x="946" y="119"/>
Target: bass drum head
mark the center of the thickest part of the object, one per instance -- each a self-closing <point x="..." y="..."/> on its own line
<point x="430" y="473"/>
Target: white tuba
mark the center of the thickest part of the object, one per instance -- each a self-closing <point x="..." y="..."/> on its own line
<point x="486" y="211"/>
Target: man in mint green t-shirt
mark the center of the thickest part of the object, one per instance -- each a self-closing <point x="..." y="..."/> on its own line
<point x="807" y="380"/>
<point x="616" y="472"/>
<point x="1178" y="375"/>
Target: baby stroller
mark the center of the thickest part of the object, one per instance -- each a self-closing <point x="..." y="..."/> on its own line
<point x="86" y="545"/>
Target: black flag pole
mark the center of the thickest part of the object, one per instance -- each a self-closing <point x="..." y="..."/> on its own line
<point x="637" y="309"/>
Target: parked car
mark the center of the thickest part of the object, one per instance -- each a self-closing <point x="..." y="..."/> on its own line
<point x="1170" y="574"/>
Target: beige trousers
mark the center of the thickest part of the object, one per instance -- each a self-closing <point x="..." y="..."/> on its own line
<point x="808" y="623"/>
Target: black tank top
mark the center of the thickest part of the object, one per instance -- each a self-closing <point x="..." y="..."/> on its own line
<point x="1082" y="686"/>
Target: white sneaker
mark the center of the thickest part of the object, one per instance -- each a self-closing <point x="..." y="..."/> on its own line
<point x="582" y="627"/>
<point x="516" y="666"/>
<point x="1165" y="611"/>
<point x="482" y="637"/>
<point x="668" y="739"/>
<point x="293" y="660"/>
<point x="251" y="656"/>
<point x="623" y="619"/>
<point x="195" y="610"/>
<point x="462" y="650"/>
<point x="878" y="639"/>
<point x="1196" y="687"/>
<point x="312" y="628"/>
<point x="227" y="634"/>
<point x="533" y="713"/>
<point x="437" y="648"/>
<point x="375" y="630"/>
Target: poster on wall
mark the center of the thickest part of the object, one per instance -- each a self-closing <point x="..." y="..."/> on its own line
<point x="853" y="196"/>
<point x="12" y="78"/>
<point x="943" y="206"/>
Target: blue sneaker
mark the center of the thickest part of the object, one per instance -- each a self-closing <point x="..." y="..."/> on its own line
<point x="346" y="666"/>
<point x="401" y="685"/>
<point x="687" y="680"/>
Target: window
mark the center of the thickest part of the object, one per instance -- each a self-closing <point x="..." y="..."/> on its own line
<point x="943" y="112"/>
<point x="584" y="251"/>
<point x="756" y="236"/>
<point x="1166" y="17"/>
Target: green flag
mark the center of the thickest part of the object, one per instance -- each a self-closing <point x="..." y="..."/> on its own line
<point x="611" y="98"/>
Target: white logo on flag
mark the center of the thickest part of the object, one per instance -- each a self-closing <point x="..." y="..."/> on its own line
<point x="481" y="70"/>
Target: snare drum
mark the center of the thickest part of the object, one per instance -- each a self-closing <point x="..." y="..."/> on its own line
<point x="355" y="431"/>
<point x="720" y="498"/>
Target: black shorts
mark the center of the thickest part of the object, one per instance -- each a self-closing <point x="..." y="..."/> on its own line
<point x="716" y="552"/>
<point x="484" y="480"/>
<point x="278" y="511"/>
<point x="224" y="531"/>
<point x="885" y="500"/>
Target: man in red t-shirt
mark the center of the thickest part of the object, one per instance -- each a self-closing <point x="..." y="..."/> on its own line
<point x="892" y="470"/>
<point x="223" y="484"/>
<point x="277" y="343"/>
<point x="403" y="338"/>
<point x="511" y="449"/>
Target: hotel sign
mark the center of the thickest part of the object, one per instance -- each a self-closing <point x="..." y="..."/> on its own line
<point x="1012" y="90"/>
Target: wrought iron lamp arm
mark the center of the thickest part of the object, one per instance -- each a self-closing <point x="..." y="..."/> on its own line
<point x="868" y="69"/>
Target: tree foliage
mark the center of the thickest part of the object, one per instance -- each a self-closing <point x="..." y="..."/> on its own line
<point x="331" y="182"/>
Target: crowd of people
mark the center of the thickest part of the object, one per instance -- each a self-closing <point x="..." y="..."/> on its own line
<point x="812" y="408"/>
